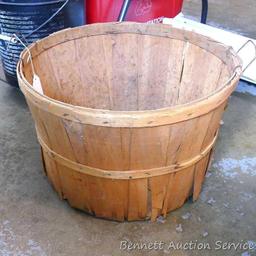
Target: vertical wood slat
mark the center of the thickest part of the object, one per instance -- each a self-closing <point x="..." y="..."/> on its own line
<point x="158" y="187"/>
<point x="68" y="79"/>
<point x="164" y="72"/>
<point x="200" y="68"/>
<point x="102" y="146"/>
<point x="94" y="72"/>
<point x="148" y="150"/>
<point x="137" y="199"/>
<point x="74" y="188"/>
<point x="201" y="167"/>
<point x="51" y="168"/>
<point x="43" y="161"/>
<point x="186" y="140"/>
<point x="179" y="189"/>
<point x="174" y="70"/>
<point x="49" y="81"/>
<point x="53" y="174"/>
<point x="108" y="198"/>
<point x="200" y="170"/>
<point x="125" y="75"/>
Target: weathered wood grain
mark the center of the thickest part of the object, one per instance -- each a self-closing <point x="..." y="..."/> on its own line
<point x="129" y="115"/>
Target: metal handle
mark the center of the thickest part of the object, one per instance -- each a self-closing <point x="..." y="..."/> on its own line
<point x="254" y="58"/>
<point x="239" y="66"/>
<point x="124" y="10"/>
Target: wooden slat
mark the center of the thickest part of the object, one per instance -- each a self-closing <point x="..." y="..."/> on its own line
<point x="174" y="69"/>
<point x="59" y="140"/>
<point x="224" y="75"/>
<point x="196" y="74"/>
<point x="66" y="72"/>
<point x="75" y="189"/>
<point x="186" y="139"/>
<point x="148" y="150"/>
<point x="202" y="166"/>
<point x="148" y="147"/>
<point x="214" y="125"/>
<point x="108" y="198"/>
<point x="180" y="187"/>
<point x="50" y="85"/>
<point x="138" y="199"/>
<point x="159" y="72"/>
<point x="53" y="174"/>
<point x="158" y="187"/>
<point x="170" y="185"/>
<point x="43" y="161"/>
<point x="200" y="170"/>
<point x="125" y="75"/>
<point x="51" y="168"/>
<point x="103" y="198"/>
<point x="106" y="148"/>
<point x="94" y="64"/>
<point x="75" y="134"/>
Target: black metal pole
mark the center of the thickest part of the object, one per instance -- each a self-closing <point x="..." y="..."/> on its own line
<point x="124" y="10"/>
<point x="204" y="11"/>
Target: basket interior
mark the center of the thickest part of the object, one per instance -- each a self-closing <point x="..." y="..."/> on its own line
<point x="128" y="72"/>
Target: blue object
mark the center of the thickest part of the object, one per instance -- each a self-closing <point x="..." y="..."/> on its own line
<point x="74" y="13"/>
<point x="30" y="20"/>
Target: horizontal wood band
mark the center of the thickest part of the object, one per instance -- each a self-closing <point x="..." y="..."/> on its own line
<point x="129" y="119"/>
<point x="124" y="175"/>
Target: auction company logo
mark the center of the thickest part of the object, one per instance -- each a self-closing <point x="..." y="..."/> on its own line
<point x="218" y="245"/>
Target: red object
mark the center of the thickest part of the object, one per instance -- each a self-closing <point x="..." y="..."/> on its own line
<point x="139" y="10"/>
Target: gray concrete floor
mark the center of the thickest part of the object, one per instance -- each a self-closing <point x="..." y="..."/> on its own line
<point x="231" y="15"/>
<point x="33" y="221"/>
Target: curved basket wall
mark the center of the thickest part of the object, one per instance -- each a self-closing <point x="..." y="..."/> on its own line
<point x="130" y="114"/>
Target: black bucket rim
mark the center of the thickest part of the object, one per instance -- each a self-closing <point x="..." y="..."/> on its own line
<point x="32" y="4"/>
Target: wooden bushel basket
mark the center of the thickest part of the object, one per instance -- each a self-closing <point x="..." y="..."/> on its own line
<point x="129" y="115"/>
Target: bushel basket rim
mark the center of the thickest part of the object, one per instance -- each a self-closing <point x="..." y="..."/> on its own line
<point x="138" y="118"/>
